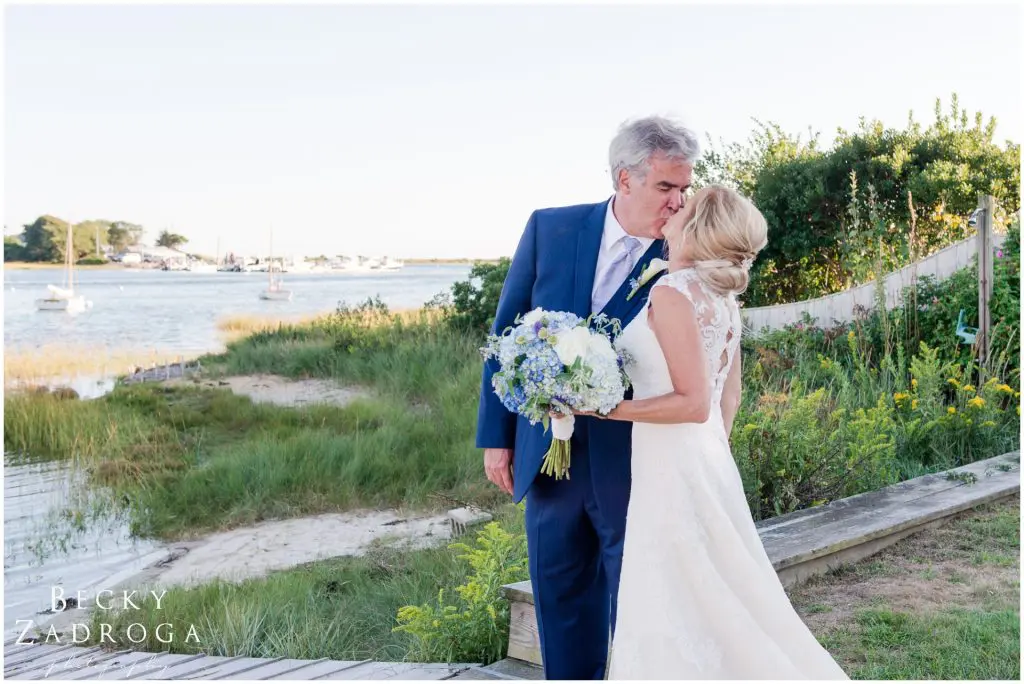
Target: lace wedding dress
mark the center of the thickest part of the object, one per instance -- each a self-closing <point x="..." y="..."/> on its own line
<point x="698" y="596"/>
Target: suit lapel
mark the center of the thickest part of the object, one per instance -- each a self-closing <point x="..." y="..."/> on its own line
<point x="617" y="306"/>
<point x="588" y="244"/>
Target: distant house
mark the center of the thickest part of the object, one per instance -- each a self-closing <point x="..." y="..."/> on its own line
<point x="164" y="256"/>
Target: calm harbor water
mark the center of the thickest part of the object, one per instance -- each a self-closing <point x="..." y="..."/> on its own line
<point x="47" y="545"/>
<point x="177" y="311"/>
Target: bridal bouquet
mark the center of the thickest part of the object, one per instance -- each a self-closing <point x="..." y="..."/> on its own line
<point x="552" y="363"/>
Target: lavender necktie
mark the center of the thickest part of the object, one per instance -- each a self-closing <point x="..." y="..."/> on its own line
<point x="616" y="274"/>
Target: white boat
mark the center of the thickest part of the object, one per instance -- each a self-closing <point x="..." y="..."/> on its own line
<point x="201" y="267"/>
<point x="274" y="291"/>
<point x="389" y="264"/>
<point x="64" y="298"/>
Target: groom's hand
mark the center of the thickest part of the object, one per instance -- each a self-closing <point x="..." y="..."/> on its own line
<point x="498" y="466"/>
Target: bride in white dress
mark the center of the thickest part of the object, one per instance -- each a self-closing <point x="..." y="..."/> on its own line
<point x="698" y="596"/>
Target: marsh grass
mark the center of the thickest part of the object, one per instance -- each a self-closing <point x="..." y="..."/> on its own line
<point x="55" y="363"/>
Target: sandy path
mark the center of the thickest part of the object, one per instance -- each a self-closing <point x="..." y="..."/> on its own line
<point x="276" y="545"/>
<point x="273" y="389"/>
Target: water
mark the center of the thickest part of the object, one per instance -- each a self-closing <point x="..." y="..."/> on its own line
<point x="45" y="548"/>
<point x="177" y="311"/>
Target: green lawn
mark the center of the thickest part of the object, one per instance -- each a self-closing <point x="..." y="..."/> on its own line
<point x="942" y="604"/>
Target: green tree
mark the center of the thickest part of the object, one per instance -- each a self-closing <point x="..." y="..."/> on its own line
<point x="878" y="199"/>
<point x="39" y="239"/>
<point x="121" y="235"/>
<point x="170" y="240"/>
<point x="91" y="235"/>
<point x="14" y="250"/>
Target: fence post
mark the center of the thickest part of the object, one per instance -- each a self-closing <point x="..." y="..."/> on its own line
<point x="986" y="203"/>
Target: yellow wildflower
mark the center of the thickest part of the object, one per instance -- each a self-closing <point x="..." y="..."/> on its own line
<point x="913" y="404"/>
<point x="954" y="382"/>
<point x="913" y="383"/>
<point x="951" y="410"/>
<point x="969" y="388"/>
<point x="976" y="402"/>
<point x="900" y="397"/>
<point x="1005" y="389"/>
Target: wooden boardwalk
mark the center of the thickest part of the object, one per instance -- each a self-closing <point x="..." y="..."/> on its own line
<point x="69" y="662"/>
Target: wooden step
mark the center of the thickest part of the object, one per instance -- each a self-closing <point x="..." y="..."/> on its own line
<point x="813" y="541"/>
<point x="509" y="668"/>
<point x="69" y="662"/>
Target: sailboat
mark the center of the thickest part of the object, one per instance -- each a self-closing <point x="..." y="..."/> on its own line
<point x="64" y="298"/>
<point x="274" y="291"/>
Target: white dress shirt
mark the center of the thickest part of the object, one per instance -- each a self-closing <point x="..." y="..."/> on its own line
<point x="611" y="247"/>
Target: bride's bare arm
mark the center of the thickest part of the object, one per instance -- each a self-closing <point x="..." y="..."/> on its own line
<point x="674" y="322"/>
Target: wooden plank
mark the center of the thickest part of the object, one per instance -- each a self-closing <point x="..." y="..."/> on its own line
<point x="73" y="667"/>
<point x="272" y="669"/>
<point x="888" y="511"/>
<point x="318" y="669"/>
<point x="511" y="668"/>
<point x="377" y="670"/>
<point x="47" y="665"/>
<point x="104" y="667"/>
<point x="476" y="673"/>
<point x="44" y="654"/>
<point x="430" y="671"/>
<point x="233" y="667"/>
<point x="151" y="668"/>
<point x="184" y="669"/>
<point x="14" y="648"/>
<point x="368" y="670"/>
<point x="523" y="637"/>
<point x="161" y="666"/>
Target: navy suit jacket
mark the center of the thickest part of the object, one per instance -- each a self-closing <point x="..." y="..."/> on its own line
<point x="553" y="268"/>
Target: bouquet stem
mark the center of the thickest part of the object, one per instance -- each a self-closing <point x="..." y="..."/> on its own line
<point x="556" y="461"/>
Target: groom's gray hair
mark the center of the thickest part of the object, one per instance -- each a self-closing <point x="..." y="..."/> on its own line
<point x="638" y="140"/>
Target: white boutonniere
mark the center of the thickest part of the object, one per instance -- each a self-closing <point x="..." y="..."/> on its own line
<point x="653" y="268"/>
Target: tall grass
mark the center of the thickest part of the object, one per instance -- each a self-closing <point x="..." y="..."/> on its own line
<point x="52" y="362"/>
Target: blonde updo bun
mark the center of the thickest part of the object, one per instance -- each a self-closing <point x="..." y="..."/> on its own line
<point x="723" y="234"/>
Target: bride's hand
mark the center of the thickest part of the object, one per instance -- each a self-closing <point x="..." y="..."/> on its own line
<point x="614" y="414"/>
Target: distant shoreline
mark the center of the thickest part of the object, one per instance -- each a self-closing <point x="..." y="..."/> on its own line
<point x="31" y="265"/>
<point x="450" y="261"/>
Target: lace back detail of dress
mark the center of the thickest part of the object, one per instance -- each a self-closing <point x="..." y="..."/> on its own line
<point x="719" y="319"/>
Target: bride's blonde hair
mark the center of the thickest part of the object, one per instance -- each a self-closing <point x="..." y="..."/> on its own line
<point x="725" y="231"/>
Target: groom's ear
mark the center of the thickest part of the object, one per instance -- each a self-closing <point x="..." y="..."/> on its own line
<point x="624" y="181"/>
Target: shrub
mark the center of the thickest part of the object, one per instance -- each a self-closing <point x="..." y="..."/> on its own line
<point x="475" y="628"/>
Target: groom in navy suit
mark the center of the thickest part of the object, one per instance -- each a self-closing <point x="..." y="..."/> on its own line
<point x="582" y="259"/>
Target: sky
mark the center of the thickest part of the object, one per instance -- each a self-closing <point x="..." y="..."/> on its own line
<point x="434" y="131"/>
